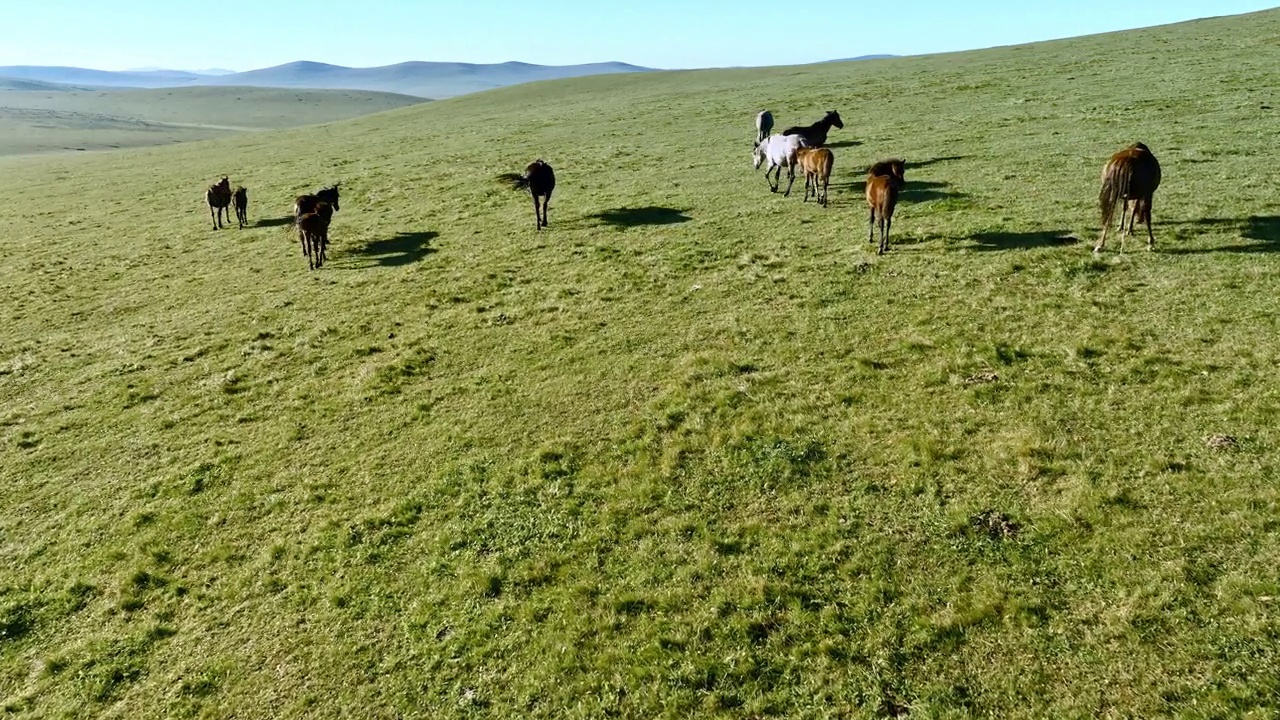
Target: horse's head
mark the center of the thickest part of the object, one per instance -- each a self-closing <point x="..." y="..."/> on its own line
<point x="224" y="183"/>
<point x="833" y="118"/>
<point x="330" y="195"/>
<point x="758" y="154"/>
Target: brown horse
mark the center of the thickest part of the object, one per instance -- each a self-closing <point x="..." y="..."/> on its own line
<point x="540" y="180"/>
<point x="815" y="135"/>
<point x="304" y="204"/>
<point x="1131" y="175"/>
<point x="313" y="233"/>
<point x="218" y="197"/>
<point x="240" y="200"/>
<point x="884" y="180"/>
<point x="816" y="164"/>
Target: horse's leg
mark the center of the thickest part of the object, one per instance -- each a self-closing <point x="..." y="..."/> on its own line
<point x="546" y="203"/>
<point x="791" y="178"/>
<point x="211" y="218"/>
<point x="825" y="181"/>
<point x="884" y="238"/>
<point x="871" y="226"/>
<point x="770" y="183"/>
<point x="1146" y="213"/>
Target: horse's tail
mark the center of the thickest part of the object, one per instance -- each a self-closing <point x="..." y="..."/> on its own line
<point x="1115" y="185"/>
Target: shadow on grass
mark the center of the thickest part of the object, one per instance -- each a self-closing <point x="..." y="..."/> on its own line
<point x="844" y="144"/>
<point x="933" y="161"/>
<point x="274" y="222"/>
<point x="1263" y="230"/>
<point x="915" y="191"/>
<point x="1023" y="240"/>
<point x="633" y="217"/>
<point x="402" y="249"/>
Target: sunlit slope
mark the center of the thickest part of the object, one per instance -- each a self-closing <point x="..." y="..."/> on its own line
<point x="694" y="450"/>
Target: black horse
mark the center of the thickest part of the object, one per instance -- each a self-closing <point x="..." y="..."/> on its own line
<point x="815" y="135"/>
<point x="307" y="203"/>
<point x="539" y="179"/>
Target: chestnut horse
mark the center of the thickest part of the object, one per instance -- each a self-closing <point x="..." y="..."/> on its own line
<point x="539" y="179"/>
<point x="218" y="197"/>
<point x="884" y="180"/>
<point x="815" y="135"/>
<point x="1131" y="175"/>
<point x="816" y="164"/>
<point x="313" y="233"/>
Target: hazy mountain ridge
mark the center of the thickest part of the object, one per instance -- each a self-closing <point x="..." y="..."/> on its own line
<point x="422" y="79"/>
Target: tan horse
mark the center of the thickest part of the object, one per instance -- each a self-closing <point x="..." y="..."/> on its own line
<point x="816" y="164"/>
<point x="1131" y="175"/>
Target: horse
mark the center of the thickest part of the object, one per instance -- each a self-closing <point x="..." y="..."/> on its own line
<point x="304" y="204"/>
<point x="779" y="150"/>
<point x="218" y="197"/>
<point x="815" y="135"/>
<point x="764" y="125"/>
<point x="884" y="180"/>
<point x="816" y="164"/>
<point x="240" y="200"/>
<point x="1131" y="175"/>
<point x="539" y="179"/>
<point x="313" y="233"/>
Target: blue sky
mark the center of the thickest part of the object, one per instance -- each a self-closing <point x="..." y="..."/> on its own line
<point x="120" y="34"/>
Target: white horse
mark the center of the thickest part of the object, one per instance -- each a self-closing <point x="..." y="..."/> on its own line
<point x="764" y="124"/>
<point x="779" y="150"/>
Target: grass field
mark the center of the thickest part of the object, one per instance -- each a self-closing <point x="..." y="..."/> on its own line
<point x="693" y="451"/>
<point x="40" y="121"/>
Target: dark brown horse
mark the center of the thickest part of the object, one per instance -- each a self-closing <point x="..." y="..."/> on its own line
<point x="540" y="180"/>
<point x="884" y="180"/>
<point x="240" y="200"/>
<point x="313" y="233"/>
<point x="218" y="197"/>
<point x="1131" y="175"/>
<point x="304" y="204"/>
<point x="815" y="135"/>
<point x="816" y="164"/>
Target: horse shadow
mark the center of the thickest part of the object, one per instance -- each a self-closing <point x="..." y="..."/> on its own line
<point x="634" y="217"/>
<point x="1263" y="230"/>
<point x="915" y="191"/>
<point x="844" y="144"/>
<point x="403" y="249"/>
<point x="1022" y="240"/>
<point x="933" y="161"/>
<point x="275" y="222"/>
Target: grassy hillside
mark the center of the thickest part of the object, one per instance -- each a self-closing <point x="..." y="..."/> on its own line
<point x="34" y="121"/>
<point x="693" y="451"/>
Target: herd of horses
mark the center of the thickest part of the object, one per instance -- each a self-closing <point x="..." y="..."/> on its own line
<point x="1129" y="180"/>
<point x="311" y="215"/>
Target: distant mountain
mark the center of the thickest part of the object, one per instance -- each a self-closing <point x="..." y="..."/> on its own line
<point x="423" y="79"/>
<point x="862" y="57"/>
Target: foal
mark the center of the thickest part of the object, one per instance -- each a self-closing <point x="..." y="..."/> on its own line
<point x="240" y="199"/>
<point x="540" y="180"/>
<point x="313" y="233"/>
<point x="218" y="197"/>
<point x="1131" y="175"/>
<point x="816" y="164"/>
<point x="815" y="135"/>
<point x="884" y="180"/>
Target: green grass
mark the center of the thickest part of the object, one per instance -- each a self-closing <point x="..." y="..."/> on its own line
<point x="695" y="450"/>
<point x="41" y="121"/>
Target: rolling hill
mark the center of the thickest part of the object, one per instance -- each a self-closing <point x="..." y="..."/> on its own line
<point x="422" y="79"/>
<point x="694" y="450"/>
<point x="40" y="119"/>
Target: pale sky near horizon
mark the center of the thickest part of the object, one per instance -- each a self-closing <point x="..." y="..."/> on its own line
<point x="122" y="34"/>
